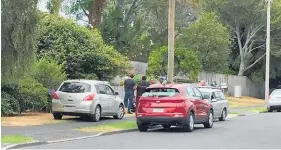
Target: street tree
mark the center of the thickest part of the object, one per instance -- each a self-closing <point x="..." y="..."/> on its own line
<point x="209" y="39"/>
<point x="246" y="19"/>
<point x="186" y="62"/>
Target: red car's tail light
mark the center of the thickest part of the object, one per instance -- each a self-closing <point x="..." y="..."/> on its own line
<point x="55" y="96"/>
<point x="90" y="97"/>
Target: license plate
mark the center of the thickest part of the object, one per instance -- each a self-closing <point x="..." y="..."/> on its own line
<point x="158" y="110"/>
<point x="69" y="109"/>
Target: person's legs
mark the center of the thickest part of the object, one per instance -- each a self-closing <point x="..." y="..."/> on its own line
<point x="130" y="104"/>
<point x="126" y="98"/>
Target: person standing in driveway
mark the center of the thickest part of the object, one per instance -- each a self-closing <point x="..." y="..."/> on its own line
<point x="129" y="87"/>
<point x="141" y="89"/>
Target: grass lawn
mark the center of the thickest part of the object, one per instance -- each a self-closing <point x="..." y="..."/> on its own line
<point x="31" y="119"/>
<point x="258" y="109"/>
<point x="244" y="101"/>
<point x="15" y="139"/>
<point x="123" y="125"/>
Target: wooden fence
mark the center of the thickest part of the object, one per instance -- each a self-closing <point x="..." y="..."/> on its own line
<point x="248" y="88"/>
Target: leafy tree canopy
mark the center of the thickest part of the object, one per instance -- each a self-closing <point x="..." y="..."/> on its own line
<point x="186" y="62"/>
<point x="210" y="40"/>
<point x="81" y="50"/>
<point x="19" y="20"/>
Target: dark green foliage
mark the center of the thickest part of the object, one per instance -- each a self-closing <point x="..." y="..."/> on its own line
<point x="80" y="50"/>
<point x="48" y="73"/>
<point x="27" y="95"/>
<point x="19" y="18"/>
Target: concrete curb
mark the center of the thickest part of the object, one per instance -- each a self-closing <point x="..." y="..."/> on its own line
<point x="116" y="132"/>
<point x="14" y="146"/>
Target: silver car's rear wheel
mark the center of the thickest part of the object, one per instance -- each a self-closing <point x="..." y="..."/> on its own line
<point x="97" y="115"/>
<point x="223" y="115"/>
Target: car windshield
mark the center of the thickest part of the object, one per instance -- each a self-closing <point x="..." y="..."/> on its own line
<point x="205" y="92"/>
<point x="160" y="92"/>
<point x="75" y="87"/>
<point x="276" y="93"/>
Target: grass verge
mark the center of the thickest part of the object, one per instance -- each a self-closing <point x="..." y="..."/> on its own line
<point x="244" y="102"/>
<point x="123" y="125"/>
<point x="258" y="109"/>
<point x="31" y="119"/>
<point x="15" y="139"/>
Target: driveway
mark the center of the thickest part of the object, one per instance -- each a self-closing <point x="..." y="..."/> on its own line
<point x="261" y="131"/>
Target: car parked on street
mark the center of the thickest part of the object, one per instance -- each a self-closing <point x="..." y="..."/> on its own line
<point x="173" y="105"/>
<point x="87" y="98"/>
<point x="274" y="101"/>
<point x="218" y="100"/>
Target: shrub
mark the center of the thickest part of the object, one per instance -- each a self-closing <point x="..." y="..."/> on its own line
<point x="48" y="73"/>
<point x="81" y="51"/>
<point x="9" y="104"/>
<point x="34" y="94"/>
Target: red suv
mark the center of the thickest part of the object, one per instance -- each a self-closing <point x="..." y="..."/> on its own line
<point x="174" y="104"/>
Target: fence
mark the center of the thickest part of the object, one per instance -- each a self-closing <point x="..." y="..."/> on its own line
<point x="248" y="87"/>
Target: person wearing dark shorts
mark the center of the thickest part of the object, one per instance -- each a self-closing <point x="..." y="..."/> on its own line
<point x="129" y="86"/>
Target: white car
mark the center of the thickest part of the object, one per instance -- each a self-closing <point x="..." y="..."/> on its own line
<point x="218" y="100"/>
<point x="89" y="98"/>
<point x="274" y="101"/>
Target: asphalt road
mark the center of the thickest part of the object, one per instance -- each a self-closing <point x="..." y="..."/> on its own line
<point x="262" y="131"/>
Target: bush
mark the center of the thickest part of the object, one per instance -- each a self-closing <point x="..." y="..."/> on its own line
<point x="9" y="104"/>
<point x="48" y="73"/>
<point x="34" y="94"/>
<point x="12" y="101"/>
<point x="81" y="51"/>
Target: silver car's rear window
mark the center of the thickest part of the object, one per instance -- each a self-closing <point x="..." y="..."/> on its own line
<point x="75" y="87"/>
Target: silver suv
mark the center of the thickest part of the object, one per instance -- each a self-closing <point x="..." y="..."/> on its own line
<point x="88" y="98"/>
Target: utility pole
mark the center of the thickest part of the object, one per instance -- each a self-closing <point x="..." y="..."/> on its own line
<point x="267" y="50"/>
<point x="171" y="37"/>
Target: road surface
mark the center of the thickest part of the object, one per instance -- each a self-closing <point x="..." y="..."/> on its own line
<point x="262" y="131"/>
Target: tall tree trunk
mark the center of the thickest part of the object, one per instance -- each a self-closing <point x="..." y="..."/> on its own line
<point x="55" y="6"/>
<point x="241" y="68"/>
<point x="96" y="11"/>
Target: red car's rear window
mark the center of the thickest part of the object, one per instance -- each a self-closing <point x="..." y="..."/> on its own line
<point x="161" y="92"/>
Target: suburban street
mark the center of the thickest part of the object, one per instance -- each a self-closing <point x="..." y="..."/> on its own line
<point x="254" y="131"/>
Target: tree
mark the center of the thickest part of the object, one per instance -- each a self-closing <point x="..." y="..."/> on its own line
<point x="54" y="6"/>
<point x="92" y="9"/>
<point x="19" y="20"/>
<point x="186" y="62"/>
<point x="81" y="51"/>
<point x="246" y="19"/>
<point x="210" y="40"/>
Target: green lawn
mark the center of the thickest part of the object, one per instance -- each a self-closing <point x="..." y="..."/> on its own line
<point x="16" y="139"/>
<point x="123" y="125"/>
<point x="258" y="109"/>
